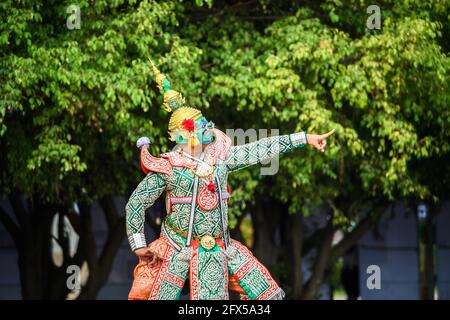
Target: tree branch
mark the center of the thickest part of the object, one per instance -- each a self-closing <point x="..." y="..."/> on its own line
<point x="19" y="210"/>
<point x="74" y="220"/>
<point x="11" y="226"/>
<point x="110" y="211"/>
<point x="351" y="238"/>
<point x="310" y="242"/>
<point x="90" y="250"/>
<point x="297" y="237"/>
<point x="62" y="236"/>
<point x="320" y="264"/>
<point x="116" y="233"/>
<point x="112" y="245"/>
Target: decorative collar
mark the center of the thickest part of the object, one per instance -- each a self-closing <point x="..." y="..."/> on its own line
<point x="213" y="151"/>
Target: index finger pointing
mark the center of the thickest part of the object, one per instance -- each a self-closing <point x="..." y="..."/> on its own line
<point x="326" y="135"/>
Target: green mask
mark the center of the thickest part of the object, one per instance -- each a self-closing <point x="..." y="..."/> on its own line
<point x="202" y="129"/>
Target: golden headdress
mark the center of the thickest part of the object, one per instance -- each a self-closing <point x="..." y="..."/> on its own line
<point x="174" y="102"/>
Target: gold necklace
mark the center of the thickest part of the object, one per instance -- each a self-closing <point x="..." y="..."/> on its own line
<point x="209" y="171"/>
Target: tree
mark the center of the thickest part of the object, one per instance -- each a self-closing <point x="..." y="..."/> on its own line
<point x="385" y="92"/>
<point x="73" y="104"/>
<point x="75" y="101"/>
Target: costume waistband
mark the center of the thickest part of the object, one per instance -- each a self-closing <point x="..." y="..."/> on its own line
<point x="207" y="241"/>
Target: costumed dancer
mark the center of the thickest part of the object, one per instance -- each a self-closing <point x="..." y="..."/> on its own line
<point x="195" y="240"/>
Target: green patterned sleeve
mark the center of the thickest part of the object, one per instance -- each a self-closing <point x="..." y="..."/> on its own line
<point x="141" y="199"/>
<point x="239" y="157"/>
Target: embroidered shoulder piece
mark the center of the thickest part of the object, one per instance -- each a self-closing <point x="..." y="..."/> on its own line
<point x="154" y="164"/>
<point x="177" y="160"/>
<point x="219" y="148"/>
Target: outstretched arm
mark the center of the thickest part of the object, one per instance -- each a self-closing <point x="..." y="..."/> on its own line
<point x="141" y="199"/>
<point x="239" y="157"/>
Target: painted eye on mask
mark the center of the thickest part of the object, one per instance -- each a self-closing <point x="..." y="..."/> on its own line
<point x="205" y="137"/>
<point x="202" y="123"/>
<point x="180" y="138"/>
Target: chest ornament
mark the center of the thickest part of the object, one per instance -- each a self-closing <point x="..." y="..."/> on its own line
<point x="207" y="199"/>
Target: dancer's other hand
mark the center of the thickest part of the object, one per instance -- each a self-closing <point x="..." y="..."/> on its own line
<point x="145" y="255"/>
<point x="318" y="141"/>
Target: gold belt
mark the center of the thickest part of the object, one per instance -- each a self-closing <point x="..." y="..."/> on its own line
<point x="208" y="242"/>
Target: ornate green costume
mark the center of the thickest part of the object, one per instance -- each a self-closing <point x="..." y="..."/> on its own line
<point x="195" y="240"/>
<point x="186" y="222"/>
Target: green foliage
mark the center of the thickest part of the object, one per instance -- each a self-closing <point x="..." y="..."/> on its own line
<point x="385" y="92"/>
<point x="75" y="101"/>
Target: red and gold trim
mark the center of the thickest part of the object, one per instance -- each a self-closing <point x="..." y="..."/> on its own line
<point x="151" y="163"/>
<point x="252" y="263"/>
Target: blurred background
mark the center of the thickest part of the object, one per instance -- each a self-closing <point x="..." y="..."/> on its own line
<point x="368" y="219"/>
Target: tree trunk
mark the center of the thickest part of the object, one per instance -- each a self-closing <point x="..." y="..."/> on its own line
<point x="296" y="245"/>
<point x="34" y="250"/>
<point x="320" y="264"/>
<point x="40" y="278"/>
<point x="266" y="216"/>
<point x="352" y="237"/>
<point x="100" y="267"/>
